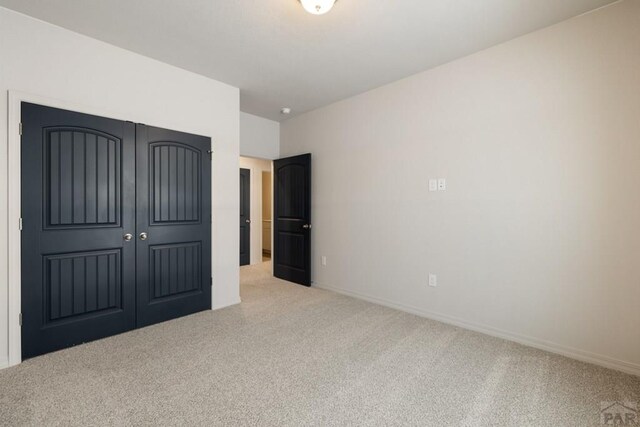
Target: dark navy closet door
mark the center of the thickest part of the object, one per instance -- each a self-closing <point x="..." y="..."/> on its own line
<point x="173" y="224"/>
<point x="78" y="201"/>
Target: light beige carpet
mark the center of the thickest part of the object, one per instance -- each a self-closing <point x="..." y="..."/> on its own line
<point x="290" y="355"/>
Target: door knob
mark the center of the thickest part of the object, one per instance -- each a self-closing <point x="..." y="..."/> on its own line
<point x="143" y="236"/>
<point x="127" y="237"/>
<point x="306" y="226"/>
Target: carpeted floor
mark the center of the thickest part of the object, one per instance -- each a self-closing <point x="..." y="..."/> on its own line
<point x="290" y="355"/>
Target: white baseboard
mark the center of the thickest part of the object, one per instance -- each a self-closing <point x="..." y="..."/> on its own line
<point x="218" y="307"/>
<point x="4" y="363"/>
<point x="573" y="353"/>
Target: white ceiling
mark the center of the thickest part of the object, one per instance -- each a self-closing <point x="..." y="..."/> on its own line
<point x="279" y="55"/>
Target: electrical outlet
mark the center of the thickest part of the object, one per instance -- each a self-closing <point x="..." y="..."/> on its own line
<point x="433" y="280"/>
<point x="324" y="260"/>
<point x="442" y="184"/>
<point x="433" y="185"/>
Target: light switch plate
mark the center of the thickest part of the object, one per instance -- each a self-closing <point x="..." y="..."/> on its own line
<point x="433" y="185"/>
<point x="442" y="184"/>
<point x="433" y="280"/>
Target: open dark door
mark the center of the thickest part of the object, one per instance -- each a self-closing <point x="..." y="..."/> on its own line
<point x="292" y="219"/>
<point x="245" y="216"/>
<point x="173" y="233"/>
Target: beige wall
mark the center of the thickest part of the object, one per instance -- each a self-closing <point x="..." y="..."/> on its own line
<point x="259" y="137"/>
<point x="537" y="237"/>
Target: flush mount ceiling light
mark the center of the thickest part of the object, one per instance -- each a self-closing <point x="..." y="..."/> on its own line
<point x="317" y="7"/>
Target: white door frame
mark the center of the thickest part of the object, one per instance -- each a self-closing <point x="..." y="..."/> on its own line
<point x="14" y="261"/>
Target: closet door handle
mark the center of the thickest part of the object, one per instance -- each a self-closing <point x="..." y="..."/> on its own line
<point x="127" y="237"/>
<point x="143" y="236"/>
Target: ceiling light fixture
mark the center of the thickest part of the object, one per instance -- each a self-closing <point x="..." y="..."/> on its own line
<point x="317" y="7"/>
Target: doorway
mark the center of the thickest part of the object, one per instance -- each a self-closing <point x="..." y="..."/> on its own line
<point x="255" y="211"/>
<point x="280" y="215"/>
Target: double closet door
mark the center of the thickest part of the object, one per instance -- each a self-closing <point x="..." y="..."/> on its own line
<point x="116" y="227"/>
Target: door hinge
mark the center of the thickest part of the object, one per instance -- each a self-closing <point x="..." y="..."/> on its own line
<point x="20" y="224"/>
<point x="20" y="128"/>
<point x="210" y="152"/>
<point x="211" y="281"/>
<point x="20" y="319"/>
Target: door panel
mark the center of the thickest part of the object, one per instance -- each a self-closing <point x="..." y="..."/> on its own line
<point x="82" y="170"/>
<point x="82" y="283"/>
<point x="175" y="269"/>
<point x="245" y="216"/>
<point x="175" y="171"/>
<point x="174" y="210"/>
<point x="292" y="219"/>
<point x="78" y="200"/>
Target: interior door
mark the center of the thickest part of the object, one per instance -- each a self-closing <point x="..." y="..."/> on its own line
<point x="245" y="216"/>
<point x="78" y="204"/>
<point x="292" y="219"/>
<point x="173" y="224"/>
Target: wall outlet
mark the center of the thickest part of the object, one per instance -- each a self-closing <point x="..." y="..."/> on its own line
<point x="433" y="280"/>
<point x="324" y="260"/>
<point x="442" y="184"/>
<point x="433" y="185"/>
